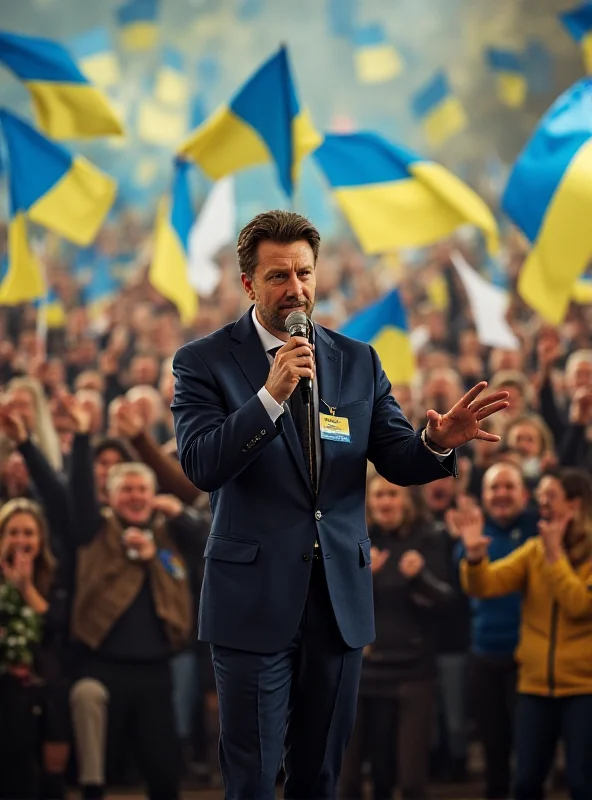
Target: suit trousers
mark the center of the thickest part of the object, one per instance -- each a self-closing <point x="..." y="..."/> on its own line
<point x="299" y="703"/>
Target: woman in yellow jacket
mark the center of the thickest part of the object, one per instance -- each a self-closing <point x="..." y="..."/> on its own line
<point x="554" y="654"/>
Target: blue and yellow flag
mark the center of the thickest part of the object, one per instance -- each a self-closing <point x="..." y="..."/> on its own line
<point x="93" y="50"/>
<point x="262" y="123"/>
<point x="578" y="23"/>
<point x="101" y="289"/>
<point x="66" y="104"/>
<point x="160" y="125"/>
<point x="169" y="272"/>
<point x="23" y="281"/>
<point x="582" y="293"/>
<point x="64" y="193"/>
<point x="172" y="84"/>
<point x="375" y="57"/>
<point x="394" y="198"/>
<point x="510" y="75"/>
<point x="549" y="197"/>
<point x="438" y="110"/>
<point x="383" y="325"/>
<point x="138" y="24"/>
<point x="51" y="310"/>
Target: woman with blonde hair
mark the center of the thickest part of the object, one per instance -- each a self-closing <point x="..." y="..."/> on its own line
<point x="33" y="700"/>
<point x="26" y="397"/>
<point x="554" y="573"/>
<point x="397" y="700"/>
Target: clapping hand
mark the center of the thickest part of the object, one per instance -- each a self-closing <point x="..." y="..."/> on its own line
<point x="168" y="504"/>
<point x="17" y="568"/>
<point x="461" y="424"/>
<point x="411" y="564"/>
<point x="378" y="559"/>
<point x="552" y="532"/>
<point x="136" y="540"/>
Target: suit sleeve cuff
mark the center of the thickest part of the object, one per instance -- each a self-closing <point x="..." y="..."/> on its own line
<point x="274" y="409"/>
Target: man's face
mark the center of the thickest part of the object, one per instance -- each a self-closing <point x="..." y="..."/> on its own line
<point x="504" y="495"/>
<point x="284" y="280"/>
<point x="132" y="499"/>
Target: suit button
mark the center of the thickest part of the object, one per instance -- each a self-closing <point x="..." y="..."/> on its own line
<point x="306" y="557"/>
<point x="318" y="515"/>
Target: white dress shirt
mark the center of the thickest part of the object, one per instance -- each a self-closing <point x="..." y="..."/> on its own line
<point x="275" y="410"/>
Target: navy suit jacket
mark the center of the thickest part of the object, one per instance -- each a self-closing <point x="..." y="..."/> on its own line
<point x="266" y="516"/>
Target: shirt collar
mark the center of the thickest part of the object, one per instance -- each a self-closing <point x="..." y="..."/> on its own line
<point x="268" y="340"/>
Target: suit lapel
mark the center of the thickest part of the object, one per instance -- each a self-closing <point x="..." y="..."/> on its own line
<point x="329" y="361"/>
<point x="254" y="364"/>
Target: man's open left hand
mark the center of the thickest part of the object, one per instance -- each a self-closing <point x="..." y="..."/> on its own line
<point x="461" y="424"/>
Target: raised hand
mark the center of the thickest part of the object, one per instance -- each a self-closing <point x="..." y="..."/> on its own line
<point x="72" y="409"/>
<point x="12" y="424"/>
<point x="461" y="424"/>
<point x="466" y="522"/>
<point x="378" y="559"/>
<point x="128" y="420"/>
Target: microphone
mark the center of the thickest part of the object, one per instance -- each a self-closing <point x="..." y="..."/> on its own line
<point x="297" y="324"/>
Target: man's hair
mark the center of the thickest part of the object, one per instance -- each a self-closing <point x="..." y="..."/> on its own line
<point x="119" y="472"/>
<point x="283" y="227"/>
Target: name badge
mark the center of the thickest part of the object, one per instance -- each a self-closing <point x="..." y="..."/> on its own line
<point x="335" y="429"/>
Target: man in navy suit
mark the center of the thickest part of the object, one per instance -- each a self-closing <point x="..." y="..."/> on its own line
<point x="287" y="594"/>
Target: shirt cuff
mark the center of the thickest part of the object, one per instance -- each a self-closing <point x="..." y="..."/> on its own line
<point x="275" y="410"/>
<point x="439" y="456"/>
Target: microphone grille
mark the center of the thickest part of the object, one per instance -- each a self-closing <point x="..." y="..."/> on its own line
<point x="296" y="319"/>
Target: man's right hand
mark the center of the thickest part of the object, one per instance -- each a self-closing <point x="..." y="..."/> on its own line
<point x="292" y="361"/>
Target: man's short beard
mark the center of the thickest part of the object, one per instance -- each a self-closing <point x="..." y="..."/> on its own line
<point x="274" y="320"/>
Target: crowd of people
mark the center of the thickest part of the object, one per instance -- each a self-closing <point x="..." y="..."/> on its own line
<point x="481" y="584"/>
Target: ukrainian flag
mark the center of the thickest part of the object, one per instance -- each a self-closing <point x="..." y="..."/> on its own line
<point x="393" y="198"/>
<point x="66" y="104"/>
<point x="376" y="59"/>
<point x="23" y="281"/>
<point x="263" y="123"/>
<point x="161" y="125"/>
<point x="51" y="311"/>
<point x="138" y="24"/>
<point x="172" y="84"/>
<point x="549" y="197"/>
<point x="508" y="68"/>
<point x="582" y="292"/>
<point x="438" y="110"/>
<point x="101" y="289"/>
<point x="94" y="53"/>
<point x="578" y="23"/>
<point x="384" y="325"/>
<point x="64" y="193"/>
<point x="169" y="272"/>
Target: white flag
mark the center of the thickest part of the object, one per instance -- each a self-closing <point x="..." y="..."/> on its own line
<point x="488" y="304"/>
<point x="214" y="228"/>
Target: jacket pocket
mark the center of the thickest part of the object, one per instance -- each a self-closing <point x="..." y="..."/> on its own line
<point x="219" y="548"/>
<point x="352" y="410"/>
<point x="365" y="557"/>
